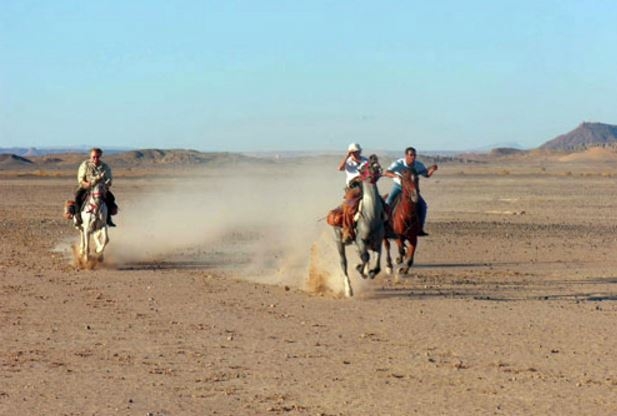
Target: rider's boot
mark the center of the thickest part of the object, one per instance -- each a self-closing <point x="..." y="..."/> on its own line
<point x="348" y="235"/>
<point x="77" y="219"/>
<point x="110" y="223"/>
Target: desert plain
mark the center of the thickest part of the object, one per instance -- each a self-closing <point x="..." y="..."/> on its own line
<point x="220" y="294"/>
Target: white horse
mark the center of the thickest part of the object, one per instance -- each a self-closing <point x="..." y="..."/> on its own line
<point x="370" y="229"/>
<point x="94" y="222"/>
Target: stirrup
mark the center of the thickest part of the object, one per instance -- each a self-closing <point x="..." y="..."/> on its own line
<point x="347" y="237"/>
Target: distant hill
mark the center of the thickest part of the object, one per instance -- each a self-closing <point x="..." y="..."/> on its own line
<point x="156" y="158"/>
<point x="506" y="151"/>
<point x="43" y="151"/>
<point x="11" y="161"/>
<point x="585" y="136"/>
<point x="173" y="157"/>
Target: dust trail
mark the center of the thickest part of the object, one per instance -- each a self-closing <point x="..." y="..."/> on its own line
<point x="257" y="222"/>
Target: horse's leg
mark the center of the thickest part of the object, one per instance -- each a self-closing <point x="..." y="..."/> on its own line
<point x="411" y="250"/>
<point x="400" y="243"/>
<point x="82" y="242"/>
<point x="340" y="246"/>
<point x="101" y="239"/>
<point x="362" y="268"/>
<point x="375" y="270"/>
<point x="86" y="252"/>
<point x="85" y="236"/>
<point x="386" y="246"/>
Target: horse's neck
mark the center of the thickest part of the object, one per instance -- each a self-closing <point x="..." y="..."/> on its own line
<point x="405" y="205"/>
<point x="370" y="198"/>
<point x="96" y="198"/>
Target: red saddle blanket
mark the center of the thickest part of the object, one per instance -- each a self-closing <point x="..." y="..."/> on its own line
<point x="69" y="209"/>
<point x="335" y="217"/>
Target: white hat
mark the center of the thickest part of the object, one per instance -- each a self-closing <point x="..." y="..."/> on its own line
<point x="354" y="147"/>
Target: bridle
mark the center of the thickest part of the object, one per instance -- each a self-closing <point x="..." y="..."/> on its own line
<point x="94" y="201"/>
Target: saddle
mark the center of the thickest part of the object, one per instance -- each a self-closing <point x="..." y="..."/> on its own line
<point x="72" y="208"/>
<point x="350" y="206"/>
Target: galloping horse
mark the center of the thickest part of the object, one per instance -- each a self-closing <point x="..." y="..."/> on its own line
<point x="404" y="224"/>
<point x="370" y="228"/>
<point x="94" y="221"/>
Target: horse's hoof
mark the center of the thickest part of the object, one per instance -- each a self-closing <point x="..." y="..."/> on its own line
<point x="388" y="270"/>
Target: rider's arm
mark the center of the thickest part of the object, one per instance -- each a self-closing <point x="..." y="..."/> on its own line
<point x="431" y="170"/>
<point x="81" y="176"/>
<point x="108" y="177"/>
<point x="341" y="166"/>
<point x="393" y="170"/>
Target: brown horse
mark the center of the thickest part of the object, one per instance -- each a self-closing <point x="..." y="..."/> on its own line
<point x="404" y="225"/>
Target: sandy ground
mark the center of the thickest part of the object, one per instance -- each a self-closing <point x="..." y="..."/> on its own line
<point x="203" y="307"/>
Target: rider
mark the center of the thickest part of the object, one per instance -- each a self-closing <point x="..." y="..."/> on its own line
<point x="351" y="164"/>
<point x="86" y="177"/>
<point x="396" y="168"/>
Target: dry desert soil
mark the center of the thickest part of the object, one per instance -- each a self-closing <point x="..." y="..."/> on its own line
<point x="219" y="294"/>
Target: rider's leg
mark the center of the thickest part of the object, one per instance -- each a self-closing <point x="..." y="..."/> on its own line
<point x="396" y="190"/>
<point x="80" y="194"/>
<point x="422" y="209"/>
<point x="110" y="201"/>
<point x="350" y="207"/>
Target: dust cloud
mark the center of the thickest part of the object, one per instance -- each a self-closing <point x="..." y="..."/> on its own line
<point x="262" y="223"/>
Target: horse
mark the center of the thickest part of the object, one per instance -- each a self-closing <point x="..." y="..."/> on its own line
<point x="370" y="228"/>
<point x="94" y="222"/>
<point x="404" y="225"/>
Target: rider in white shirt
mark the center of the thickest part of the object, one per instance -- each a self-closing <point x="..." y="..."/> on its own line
<point x="351" y="164"/>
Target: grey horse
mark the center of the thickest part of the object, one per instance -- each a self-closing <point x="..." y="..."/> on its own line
<point x="370" y="229"/>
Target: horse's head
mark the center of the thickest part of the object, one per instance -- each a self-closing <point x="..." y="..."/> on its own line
<point x="372" y="170"/>
<point x="409" y="183"/>
<point x="98" y="190"/>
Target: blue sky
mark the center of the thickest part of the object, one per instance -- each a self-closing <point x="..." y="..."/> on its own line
<point x="313" y="75"/>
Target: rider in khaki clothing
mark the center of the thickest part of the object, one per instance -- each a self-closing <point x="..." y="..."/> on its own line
<point x="88" y="172"/>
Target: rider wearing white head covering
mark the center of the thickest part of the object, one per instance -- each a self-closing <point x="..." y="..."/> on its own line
<point x="352" y="163"/>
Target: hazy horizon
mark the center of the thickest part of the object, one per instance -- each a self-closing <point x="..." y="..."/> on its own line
<point x="43" y="150"/>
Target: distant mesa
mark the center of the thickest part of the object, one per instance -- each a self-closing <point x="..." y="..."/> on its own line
<point x="585" y="136"/>
<point x="168" y="158"/>
<point x="12" y="161"/>
<point x="172" y="157"/>
<point x="588" y="141"/>
<point x="506" y="151"/>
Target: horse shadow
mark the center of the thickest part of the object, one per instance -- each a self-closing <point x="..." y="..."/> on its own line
<point x="169" y="265"/>
<point x="499" y="291"/>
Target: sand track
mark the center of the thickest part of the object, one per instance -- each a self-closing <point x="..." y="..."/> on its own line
<point x="201" y="312"/>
